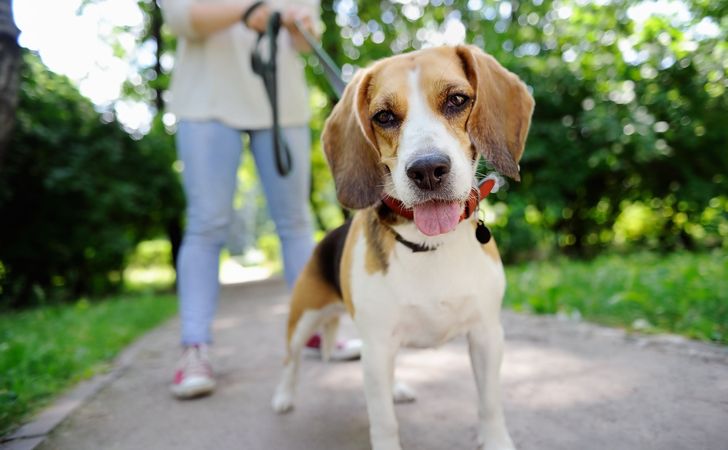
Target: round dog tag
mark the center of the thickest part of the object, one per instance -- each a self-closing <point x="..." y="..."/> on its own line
<point x="482" y="233"/>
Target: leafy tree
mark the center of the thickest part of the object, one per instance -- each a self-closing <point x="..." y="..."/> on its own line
<point x="149" y="86"/>
<point x="628" y="115"/>
<point x="627" y="145"/>
<point x="77" y="193"/>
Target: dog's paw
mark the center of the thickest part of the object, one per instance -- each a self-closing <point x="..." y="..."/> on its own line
<point x="391" y="443"/>
<point x="282" y="402"/>
<point x="496" y="447"/>
<point x="403" y="393"/>
<point x="495" y="439"/>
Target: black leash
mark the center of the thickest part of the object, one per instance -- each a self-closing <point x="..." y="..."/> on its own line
<point x="266" y="69"/>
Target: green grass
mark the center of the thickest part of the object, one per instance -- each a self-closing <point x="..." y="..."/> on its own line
<point x="45" y="350"/>
<point x="683" y="293"/>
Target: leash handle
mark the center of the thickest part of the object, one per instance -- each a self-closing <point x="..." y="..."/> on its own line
<point x="267" y="70"/>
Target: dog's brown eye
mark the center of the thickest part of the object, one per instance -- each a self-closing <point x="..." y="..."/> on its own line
<point x="456" y="101"/>
<point x="385" y="118"/>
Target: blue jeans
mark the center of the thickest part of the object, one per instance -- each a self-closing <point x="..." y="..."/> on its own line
<point x="210" y="152"/>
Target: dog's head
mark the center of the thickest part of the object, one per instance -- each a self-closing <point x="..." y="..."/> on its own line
<point x="413" y="127"/>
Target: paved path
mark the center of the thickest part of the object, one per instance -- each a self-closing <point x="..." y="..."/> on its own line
<point x="567" y="386"/>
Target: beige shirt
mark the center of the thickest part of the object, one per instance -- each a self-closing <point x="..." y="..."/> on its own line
<point x="213" y="79"/>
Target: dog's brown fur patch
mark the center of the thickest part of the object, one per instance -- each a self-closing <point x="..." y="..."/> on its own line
<point x="380" y="243"/>
<point x="355" y="231"/>
<point x="312" y="291"/>
<point x="491" y="249"/>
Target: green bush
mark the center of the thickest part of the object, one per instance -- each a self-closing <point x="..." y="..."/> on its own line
<point x="77" y="193"/>
<point x="153" y="253"/>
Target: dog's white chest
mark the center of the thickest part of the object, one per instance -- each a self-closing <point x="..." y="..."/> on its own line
<point x="431" y="321"/>
<point x="428" y="298"/>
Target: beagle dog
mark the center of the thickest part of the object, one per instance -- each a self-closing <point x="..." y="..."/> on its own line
<point x="404" y="144"/>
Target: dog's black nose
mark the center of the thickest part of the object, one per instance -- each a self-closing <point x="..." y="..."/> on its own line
<point x="428" y="171"/>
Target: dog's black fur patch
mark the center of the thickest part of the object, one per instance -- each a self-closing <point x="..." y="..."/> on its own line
<point x="331" y="249"/>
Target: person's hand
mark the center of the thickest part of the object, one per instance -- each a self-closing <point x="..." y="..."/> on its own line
<point x="305" y="19"/>
<point x="296" y="13"/>
<point x="258" y="19"/>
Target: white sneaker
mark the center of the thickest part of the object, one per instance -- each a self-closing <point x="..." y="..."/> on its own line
<point x="193" y="377"/>
<point x="348" y="350"/>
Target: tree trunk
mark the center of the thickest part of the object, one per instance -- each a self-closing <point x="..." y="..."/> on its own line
<point x="9" y="73"/>
<point x="173" y="227"/>
<point x="156" y="33"/>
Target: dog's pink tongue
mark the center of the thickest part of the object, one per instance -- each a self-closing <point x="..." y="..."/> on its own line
<point x="433" y="218"/>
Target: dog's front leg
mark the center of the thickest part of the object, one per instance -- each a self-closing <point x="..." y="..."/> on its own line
<point x="378" y="353"/>
<point x="486" y="351"/>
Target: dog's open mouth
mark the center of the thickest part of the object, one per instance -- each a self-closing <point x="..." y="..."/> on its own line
<point x="437" y="216"/>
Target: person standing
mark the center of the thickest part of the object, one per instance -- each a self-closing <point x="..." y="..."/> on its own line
<point x="215" y="97"/>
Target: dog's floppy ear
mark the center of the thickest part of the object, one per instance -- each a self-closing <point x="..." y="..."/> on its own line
<point x="500" y="118"/>
<point x="350" y="147"/>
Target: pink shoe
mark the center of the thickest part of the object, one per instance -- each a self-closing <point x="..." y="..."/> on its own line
<point x="343" y="350"/>
<point x="193" y="377"/>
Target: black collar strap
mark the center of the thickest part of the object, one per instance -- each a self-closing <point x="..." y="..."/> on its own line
<point x="416" y="248"/>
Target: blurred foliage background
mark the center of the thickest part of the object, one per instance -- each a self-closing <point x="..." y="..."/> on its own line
<point x="627" y="150"/>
